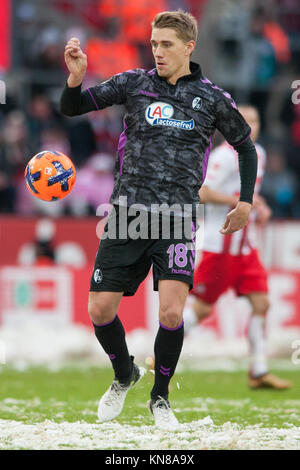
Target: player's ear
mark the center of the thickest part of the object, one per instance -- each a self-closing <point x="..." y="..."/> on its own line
<point x="190" y="46"/>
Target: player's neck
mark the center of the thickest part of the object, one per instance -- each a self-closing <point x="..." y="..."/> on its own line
<point x="185" y="70"/>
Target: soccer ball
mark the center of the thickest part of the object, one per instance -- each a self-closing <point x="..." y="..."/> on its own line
<point x="50" y="175"/>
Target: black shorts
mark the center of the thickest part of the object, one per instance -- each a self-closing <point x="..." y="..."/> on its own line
<point x="123" y="263"/>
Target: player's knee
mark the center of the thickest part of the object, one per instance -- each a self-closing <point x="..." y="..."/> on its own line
<point x="170" y="315"/>
<point x="261" y="306"/>
<point x="100" y="311"/>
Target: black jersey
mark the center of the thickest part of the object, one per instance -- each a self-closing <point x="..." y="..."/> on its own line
<point x="164" y="148"/>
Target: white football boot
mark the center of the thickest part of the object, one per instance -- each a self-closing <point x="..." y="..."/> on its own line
<point x="164" y="417"/>
<point x="111" y="403"/>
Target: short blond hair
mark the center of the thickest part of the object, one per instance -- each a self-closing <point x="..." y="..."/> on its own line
<point x="183" y="23"/>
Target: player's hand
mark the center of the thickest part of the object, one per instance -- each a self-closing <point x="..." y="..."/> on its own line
<point x="237" y="218"/>
<point x="76" y="62"/>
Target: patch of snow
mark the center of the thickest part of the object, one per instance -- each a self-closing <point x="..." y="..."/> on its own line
<point x="200" y="434"/>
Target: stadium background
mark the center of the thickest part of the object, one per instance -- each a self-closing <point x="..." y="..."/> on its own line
<point x="250" y="48"/>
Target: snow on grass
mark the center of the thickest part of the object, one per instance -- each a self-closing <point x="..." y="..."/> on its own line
<point x="200" y="434"/>
<point x="27" y="428"/>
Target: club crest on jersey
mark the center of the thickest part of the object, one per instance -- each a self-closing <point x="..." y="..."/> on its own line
<point x="197" y="103"/>
<point x="98" y="276"/>
<point x="160" y="114"/>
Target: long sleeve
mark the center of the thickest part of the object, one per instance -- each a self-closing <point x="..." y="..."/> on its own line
<point x="248" y="169"/>
<point x="73" y="102"/>
<point x="237" y="133"/>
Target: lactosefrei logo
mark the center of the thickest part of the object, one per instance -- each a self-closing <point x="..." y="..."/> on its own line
<point x="160" y="114"/>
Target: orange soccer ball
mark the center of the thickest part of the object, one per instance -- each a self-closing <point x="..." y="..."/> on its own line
<point x="50" y="175"/>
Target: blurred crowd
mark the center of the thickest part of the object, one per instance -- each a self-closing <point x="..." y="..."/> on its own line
<point x="254" y="54"/>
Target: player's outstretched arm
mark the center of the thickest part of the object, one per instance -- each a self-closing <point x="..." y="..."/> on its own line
<point x="72" y="101"/>
<point x="76" y="61"/>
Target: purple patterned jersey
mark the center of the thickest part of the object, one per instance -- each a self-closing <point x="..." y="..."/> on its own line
<point x="164" y="148"/>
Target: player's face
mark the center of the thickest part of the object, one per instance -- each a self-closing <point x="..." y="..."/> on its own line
<point x="252" y="118"/>
<point x="171" y="54"/>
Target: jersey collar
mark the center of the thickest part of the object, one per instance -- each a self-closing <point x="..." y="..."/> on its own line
<point x="195" y="73"/>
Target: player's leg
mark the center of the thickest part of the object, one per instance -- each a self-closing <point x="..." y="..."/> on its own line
<point x="120" y="267"/>
<point x="167" y="348"/>
<point x="169" y="339"/>
<point x="259" y="374"/>
<point x="195" y="311"/>
<point x="257" y="333"/>
<point x="103" y="308"/>
<point x="173" y="260"/>
<point x="252" y="283"/>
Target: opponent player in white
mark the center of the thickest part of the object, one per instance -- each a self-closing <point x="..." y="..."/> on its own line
<point x="233" y="261"/>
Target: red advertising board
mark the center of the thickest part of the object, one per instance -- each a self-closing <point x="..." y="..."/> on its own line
<point x="59" y="296"/>
<point x="18" y="233"/>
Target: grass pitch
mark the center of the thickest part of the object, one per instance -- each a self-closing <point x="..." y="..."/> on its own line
<point x="43" y="409"/>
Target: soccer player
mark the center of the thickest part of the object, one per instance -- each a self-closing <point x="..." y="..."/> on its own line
<point x="233" y="261"/>
<point x="171" y="113"/>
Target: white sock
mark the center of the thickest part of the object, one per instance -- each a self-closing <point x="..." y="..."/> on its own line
<point x="257" y="341"/>
<point x="190" y="318"/>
